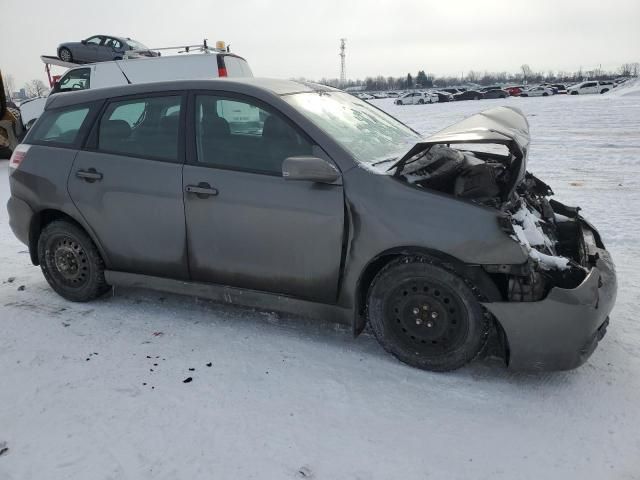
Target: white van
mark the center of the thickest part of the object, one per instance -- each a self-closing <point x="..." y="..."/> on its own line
<point x="141" y="70"/>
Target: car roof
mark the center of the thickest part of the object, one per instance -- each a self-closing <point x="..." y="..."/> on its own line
<point x="249" y="85"/>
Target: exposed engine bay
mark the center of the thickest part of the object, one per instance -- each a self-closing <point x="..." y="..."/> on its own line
<point x="552" y="234"/>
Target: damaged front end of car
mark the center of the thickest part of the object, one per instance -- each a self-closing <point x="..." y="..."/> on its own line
<point x="555" y="306"/>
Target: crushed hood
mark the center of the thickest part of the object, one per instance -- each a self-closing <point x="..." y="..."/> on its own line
<point x="501" y="125"/>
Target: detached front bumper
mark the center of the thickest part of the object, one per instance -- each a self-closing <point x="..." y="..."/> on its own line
<point x="561" y="331"/>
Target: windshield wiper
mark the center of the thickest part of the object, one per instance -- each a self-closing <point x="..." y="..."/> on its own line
<point x="383" y="161"/>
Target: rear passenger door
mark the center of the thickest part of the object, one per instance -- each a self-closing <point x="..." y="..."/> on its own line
<point x="127" y="184"/>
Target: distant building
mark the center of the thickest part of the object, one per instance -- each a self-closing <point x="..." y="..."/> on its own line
<point x="19" y="95"/>
<point x="357" y="88"/>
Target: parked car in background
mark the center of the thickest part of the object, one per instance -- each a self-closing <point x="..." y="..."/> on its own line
<point x="217" y="63"/>
<point x="468" y="95"/>
<point x="539" y="91"/>
<point x="102" y="48"/>
<point x="393" y="94"/>
<point x="447" y="247"/>
<point x="364" y="96"/>
<point x="443" y="96"/>
<point x="495" y="93"/>
<point x="452" y="91"/>
<point x="559" y="88"/>
<point x="590" y="87"/>
<point x="416" y="98"/>
<point x="515" y="90"/>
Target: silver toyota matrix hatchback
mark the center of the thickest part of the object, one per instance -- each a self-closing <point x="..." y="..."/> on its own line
<point x="299" y="197"/>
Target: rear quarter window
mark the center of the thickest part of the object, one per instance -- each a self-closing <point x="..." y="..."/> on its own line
<point x="237" y="67"/>
<point x="60" y="127"/>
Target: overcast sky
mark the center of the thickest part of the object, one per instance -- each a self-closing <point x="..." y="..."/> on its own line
<point x="288" y="38"/>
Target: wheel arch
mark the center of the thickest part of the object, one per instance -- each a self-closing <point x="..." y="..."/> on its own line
<point x="42" y="218"/>
<point x="473" y="273"/>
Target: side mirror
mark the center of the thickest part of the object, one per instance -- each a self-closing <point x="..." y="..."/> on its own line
<point x="84" y="42"/>
<point x="312" y="169"/>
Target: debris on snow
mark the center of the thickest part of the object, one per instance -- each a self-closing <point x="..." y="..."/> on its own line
<point x="304" y="472"/>
<point x="187" y="380"/>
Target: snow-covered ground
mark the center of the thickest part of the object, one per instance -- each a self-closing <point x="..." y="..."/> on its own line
<point x="95" y="391"/>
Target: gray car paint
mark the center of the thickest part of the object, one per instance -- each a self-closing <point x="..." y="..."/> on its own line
<point x="382" y="216"/>
<point x="89" y="52"/>
<point x="137" y="199"/>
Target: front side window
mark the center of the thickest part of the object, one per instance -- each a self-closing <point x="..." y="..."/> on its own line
<point x="113" y="43"/>
<point x="243" y="136"/>
<point x="370" y="135"/>
<point x="144" y="127"/>
<point x="60" y="126"/>
<point x="76" y="79"/>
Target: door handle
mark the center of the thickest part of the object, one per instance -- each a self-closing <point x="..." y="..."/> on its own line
<point x="90" y="175"/>
<point x="202" y="190"/>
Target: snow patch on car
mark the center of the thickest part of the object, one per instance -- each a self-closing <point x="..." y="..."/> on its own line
<point x="529" y="233"/>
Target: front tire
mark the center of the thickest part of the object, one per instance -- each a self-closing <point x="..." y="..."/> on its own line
<point x="65" y="55"/>
<point x="426" y="316"/>
<point x="70" y="262"/>
<point x="604" y="91"/>
<point x="421" y="102"/>
<point x="545" y="94"/>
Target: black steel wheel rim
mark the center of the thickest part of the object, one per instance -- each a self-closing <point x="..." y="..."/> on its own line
<point x="427" y="317"/>
<point x="67" y="262"/>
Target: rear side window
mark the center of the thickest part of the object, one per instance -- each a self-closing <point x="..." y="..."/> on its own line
<point x="144" y="127"/>
<point x="59" y="126"/>
<point x="76" y="79"/>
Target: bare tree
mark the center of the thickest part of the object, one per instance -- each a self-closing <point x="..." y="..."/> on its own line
<point x="473" y="77"/>
<point x="630" y="69"/>
<point x="526" y="72"/>
<point x="35" y="88"/>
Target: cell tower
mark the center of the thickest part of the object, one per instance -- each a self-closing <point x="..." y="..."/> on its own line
<point x="343" y="67"/>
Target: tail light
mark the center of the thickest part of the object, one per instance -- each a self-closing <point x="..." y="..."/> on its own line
<point x="19" y="153"/>
<point x="222" y="72"/>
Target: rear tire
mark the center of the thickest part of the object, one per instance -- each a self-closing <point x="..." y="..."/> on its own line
<point x="65" y="55"/>
<point x="70" y="262"/>
<point x="545" y="94"/>
<point x="421" y="102"/>
<point x="426" y="316"/>
<point x="574" y="93"/>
